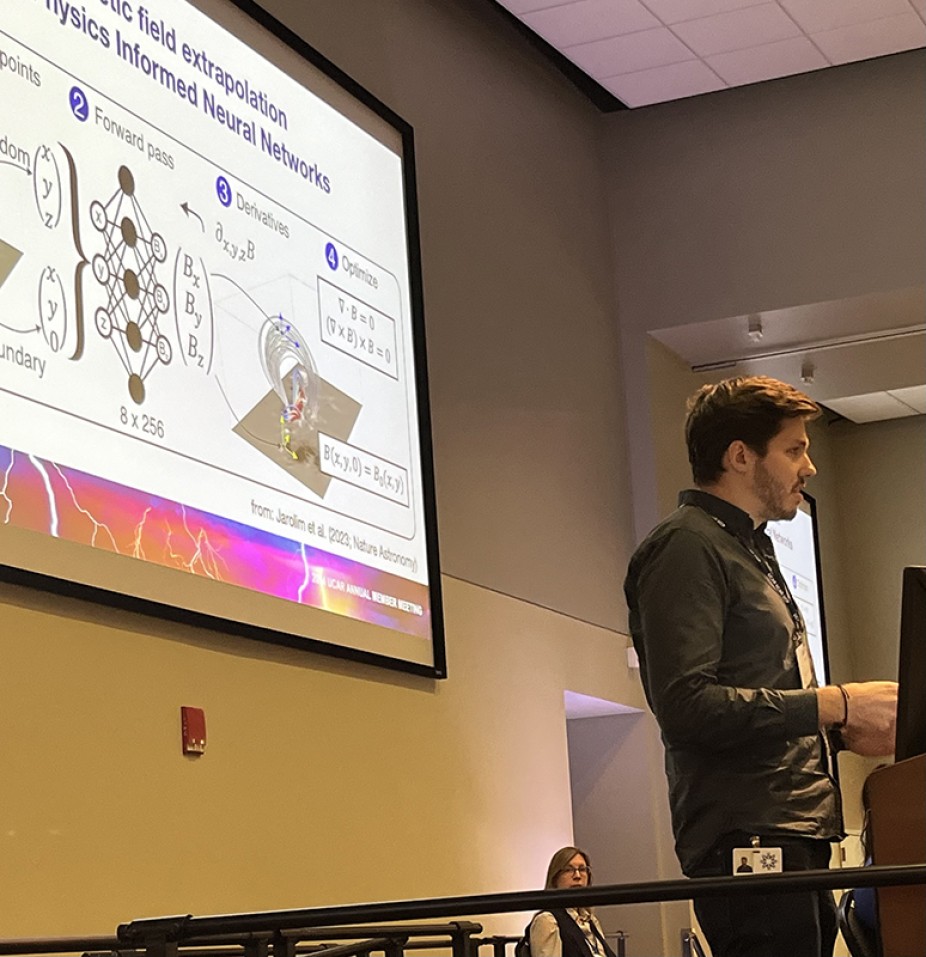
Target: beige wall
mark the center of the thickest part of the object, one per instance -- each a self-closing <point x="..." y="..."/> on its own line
<point x="875" y="511"/>
<point x="778" y="194"/>
<point x="323" y="782"/>
<point x="881" y="503"/>
<point x="608" y="757"/>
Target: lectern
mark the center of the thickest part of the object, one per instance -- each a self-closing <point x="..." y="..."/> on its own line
<point x="896" y="801"/>
<point x="895" y="796"/>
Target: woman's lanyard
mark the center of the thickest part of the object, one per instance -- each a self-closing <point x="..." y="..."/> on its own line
<point x="585" y="923"/>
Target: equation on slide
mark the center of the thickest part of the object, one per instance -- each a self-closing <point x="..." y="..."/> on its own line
<point x="358" y="329"/>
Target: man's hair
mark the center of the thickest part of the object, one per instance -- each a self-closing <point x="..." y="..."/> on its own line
<point x="559" y="861"/>
<point x="749" y="408"/>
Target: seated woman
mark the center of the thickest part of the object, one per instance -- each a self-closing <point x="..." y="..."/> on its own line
<point x="574" y="932"/>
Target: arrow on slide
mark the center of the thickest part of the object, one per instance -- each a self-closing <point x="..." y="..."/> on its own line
<point x="189" y="212"/>
<point x="19" y="166"/>
<point x="9" y="256"/>
<point x="20" y="332"/>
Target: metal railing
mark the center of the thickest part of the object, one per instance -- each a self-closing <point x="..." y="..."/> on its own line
<point x="500" y="944"/>
<point x="691" y="946"/>
<point x="392" y="941"/>
<point x="283" y="933"/>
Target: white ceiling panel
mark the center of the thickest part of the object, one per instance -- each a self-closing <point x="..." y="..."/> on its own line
<point x="766" y="62"/>
<point x="529" y="6"/>
<point x="664" y="83"/>
<point x="677" y="11"/>
<point x="644" y="38"/>
<point x="814" y="16"/>
<point x="738" y="29"/>
<point x="874" y="407"/>
<point x="587" y="20"/>
<point x="915" y="397"/>
<point x="874" y="38"/>
<point x="639" y="51"/>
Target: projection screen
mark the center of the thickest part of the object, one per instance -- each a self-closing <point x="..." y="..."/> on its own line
<point x="213" y="401"/>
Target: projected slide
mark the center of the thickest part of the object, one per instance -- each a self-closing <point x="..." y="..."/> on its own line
<point x="207" y="356"/>
<point x="796" y="550"/>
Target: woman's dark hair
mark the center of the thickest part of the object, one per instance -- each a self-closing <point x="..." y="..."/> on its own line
<point x="748" y="408"/>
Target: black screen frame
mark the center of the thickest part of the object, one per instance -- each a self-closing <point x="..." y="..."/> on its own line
<point x="812" y="502"/>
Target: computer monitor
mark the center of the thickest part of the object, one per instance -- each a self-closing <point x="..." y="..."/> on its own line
<point x="911" y="705"/>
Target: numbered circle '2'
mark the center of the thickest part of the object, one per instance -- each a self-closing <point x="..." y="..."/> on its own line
<point x="80" y="106"/>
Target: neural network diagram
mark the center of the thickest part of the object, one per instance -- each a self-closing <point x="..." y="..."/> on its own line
<point x="127" y="270"/>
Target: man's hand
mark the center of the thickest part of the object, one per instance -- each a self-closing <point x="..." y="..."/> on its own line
<point x="872" y="717"/>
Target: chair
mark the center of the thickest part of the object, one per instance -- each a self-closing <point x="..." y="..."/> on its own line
<point x="861" y="940"/>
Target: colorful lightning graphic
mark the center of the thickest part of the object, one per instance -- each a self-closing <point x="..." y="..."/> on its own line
<point x="47" y="498"/>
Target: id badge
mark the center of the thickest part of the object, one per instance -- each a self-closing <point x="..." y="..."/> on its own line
<point x="756" y="860"/>
<point x="805" y="664"/>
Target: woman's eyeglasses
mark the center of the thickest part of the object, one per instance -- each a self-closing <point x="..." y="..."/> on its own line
<point x="576" y="869"/>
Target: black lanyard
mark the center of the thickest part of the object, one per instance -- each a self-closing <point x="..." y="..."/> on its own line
<point x="769" y="571"/>
<point x="800" y="632"/>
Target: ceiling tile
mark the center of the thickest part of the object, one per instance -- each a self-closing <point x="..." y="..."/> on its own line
<point x="741" y="41"/>
<point x="784" y="58"/>
<point x="736" y="30"/>
<point x="588" y="20"/>
<point x="871" y="39"/>
<point x="518" y="7"/>
<point x="915" y="397"/>
<point x="639" y="51"/>
<point x="677" y="11"/>
<point x="663" y="83"/>
<point x="814" y="16"/>
<point x="871" y="407"/>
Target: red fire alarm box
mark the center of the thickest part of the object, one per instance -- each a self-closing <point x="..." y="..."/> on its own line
<point x="193" y="730"/>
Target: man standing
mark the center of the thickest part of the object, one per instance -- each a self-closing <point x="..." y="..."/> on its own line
<point x="727" y="672"/>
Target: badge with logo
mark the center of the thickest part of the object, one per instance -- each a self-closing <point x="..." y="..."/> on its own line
<point x="756" y="860"/>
